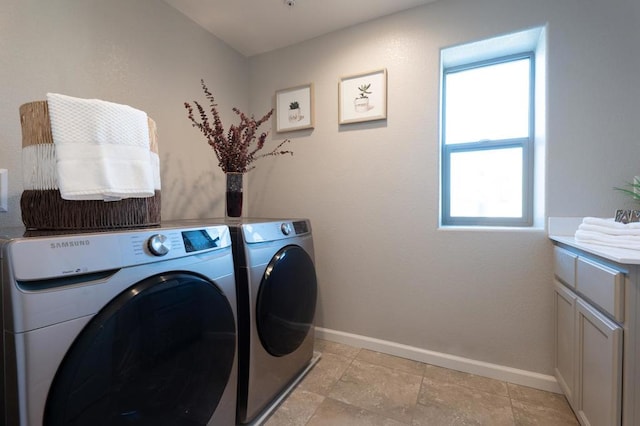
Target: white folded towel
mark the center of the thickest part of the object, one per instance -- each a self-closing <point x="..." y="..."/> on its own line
<point x="610" y="230"/>
<point x="627" y="242"/>
<point x="102" y="149"/>
<point x="610" y="223"/>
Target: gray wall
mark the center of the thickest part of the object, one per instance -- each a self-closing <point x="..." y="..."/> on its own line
<point x="142" y="53"/>
<point x="372" y="190"/>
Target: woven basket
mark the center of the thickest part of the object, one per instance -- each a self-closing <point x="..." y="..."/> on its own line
<point x="42" y="206"/>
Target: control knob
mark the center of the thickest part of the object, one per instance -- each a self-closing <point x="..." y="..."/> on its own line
<point x="159" y="245"/>
<point x="285" y="228"/>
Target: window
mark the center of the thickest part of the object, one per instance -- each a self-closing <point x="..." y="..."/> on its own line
<point x="488" y="142"/>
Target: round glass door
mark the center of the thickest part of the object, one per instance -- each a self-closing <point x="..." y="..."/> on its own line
<point x="160" y="353"/>
<point x="286" y="301"/>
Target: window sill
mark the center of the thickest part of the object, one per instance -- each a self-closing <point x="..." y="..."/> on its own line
<point x="454" y="228"/>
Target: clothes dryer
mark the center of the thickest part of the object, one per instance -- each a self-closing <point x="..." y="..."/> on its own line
<point x="277" y="291"/>
<point x="133" y="327"/>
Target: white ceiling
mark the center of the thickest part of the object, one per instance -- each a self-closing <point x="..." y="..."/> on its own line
<point x="257" y="26"/>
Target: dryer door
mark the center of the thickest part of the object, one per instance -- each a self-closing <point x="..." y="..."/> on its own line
<point x="286" y="301"/>
<point x="160" y="353"/>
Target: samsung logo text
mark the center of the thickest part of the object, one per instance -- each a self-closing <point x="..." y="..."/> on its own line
<point x="69" y="244"/>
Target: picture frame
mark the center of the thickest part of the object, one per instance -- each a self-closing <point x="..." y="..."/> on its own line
<point x="363" y="97"/>
<point x="294" y="108"/>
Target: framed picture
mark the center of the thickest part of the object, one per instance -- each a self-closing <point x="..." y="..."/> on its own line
<point x="363" y="97"/>
<point x="294" y="108"/>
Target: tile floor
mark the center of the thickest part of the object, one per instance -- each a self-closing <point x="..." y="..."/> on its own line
<point x="357" y="387"/>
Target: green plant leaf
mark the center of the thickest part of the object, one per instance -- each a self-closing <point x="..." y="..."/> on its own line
<point x="631" y="190"/>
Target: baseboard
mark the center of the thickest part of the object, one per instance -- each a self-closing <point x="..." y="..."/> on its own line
<point x="480" y="368"/>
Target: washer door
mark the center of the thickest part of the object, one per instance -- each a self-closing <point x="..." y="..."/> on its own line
<point x="286" y="301"/>
<point x="160" y="353"/>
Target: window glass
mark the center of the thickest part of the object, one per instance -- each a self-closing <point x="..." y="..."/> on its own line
<point x="486" y="183"/>
<point x="488" y="103"/>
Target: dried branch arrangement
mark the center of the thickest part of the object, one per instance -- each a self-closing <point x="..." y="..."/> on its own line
<point x="239" y="147"/>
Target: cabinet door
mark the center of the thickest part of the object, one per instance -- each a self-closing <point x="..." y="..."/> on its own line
<point x="599" y="379"/>
<point x="565" y="343"/>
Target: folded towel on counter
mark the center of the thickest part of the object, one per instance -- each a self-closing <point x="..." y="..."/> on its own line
<point x="610" y="230"/>
<point x="619" y="241"/>
<point x="610" y="223"/>
<point x="102" y="149"/>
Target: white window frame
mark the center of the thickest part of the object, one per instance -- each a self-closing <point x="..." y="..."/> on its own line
<point x="525" y="143"/>
<point x="533" y="42"/>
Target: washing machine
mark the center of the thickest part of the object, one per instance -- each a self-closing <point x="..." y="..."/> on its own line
<point x="277" y="291"/>
<point x="132" y="327"/>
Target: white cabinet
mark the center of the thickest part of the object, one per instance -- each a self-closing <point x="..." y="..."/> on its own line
<point x="599" y="367"/>
<point x="565" y="341"/>
<point x="588" y="340"/>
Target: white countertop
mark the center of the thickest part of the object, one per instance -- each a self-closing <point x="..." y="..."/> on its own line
<point x="562" y="230"/>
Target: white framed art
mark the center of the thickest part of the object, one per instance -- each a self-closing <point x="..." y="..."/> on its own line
<point x="294" y="108"/>
<point x="363" y="97"/>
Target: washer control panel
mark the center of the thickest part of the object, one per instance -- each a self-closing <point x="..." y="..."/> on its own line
<point x="76" y="254"/>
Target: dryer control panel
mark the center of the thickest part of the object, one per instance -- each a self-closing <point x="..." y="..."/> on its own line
<point x="275" y="230"/>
